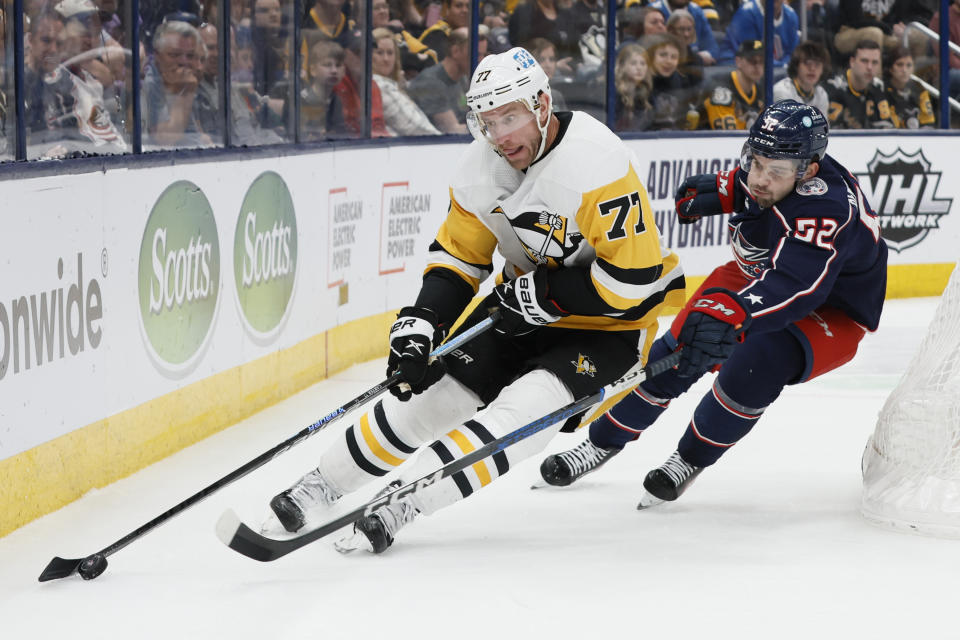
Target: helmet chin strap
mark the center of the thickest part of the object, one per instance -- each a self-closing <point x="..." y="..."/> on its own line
<point x="543" y="128"/>
<point x="543" y="134"/>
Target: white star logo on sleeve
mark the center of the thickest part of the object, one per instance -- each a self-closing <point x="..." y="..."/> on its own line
<point x="754" y="298"/>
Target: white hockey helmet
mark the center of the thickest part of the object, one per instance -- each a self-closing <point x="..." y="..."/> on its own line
<point x="502" y="78"/>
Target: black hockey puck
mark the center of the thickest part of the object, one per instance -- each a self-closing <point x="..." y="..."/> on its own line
<point x="92" y="566"/>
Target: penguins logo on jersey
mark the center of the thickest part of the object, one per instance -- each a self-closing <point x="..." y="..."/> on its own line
<point x="584" y="365"/>
<point x="722" y="96"/>
<point x="544" y="238"/>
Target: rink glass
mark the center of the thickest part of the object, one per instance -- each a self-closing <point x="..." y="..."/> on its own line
<point x="85" y="48"/>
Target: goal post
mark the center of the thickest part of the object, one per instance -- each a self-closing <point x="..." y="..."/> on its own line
<point x="911" y="465"/>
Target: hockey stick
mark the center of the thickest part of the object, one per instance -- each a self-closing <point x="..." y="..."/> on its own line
<point x="95" y="564"/>
<point x="244" y="540"/>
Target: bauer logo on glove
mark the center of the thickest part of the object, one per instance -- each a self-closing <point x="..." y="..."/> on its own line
<point x="524" y="304"/>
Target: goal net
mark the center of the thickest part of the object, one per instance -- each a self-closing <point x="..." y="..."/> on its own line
<point x="911" y="466"/>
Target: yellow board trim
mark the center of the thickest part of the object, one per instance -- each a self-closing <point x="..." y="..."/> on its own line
<point x="903" y="281"/>
<point x="375" y="446"/>
<point x="51" y="475"/>
<point x="483" y="474"/>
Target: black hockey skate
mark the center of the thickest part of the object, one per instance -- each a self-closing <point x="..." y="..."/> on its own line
<point x="667" y="482"/>
<point x="376" y="532"/>
<point x="564" y="468"/>
<point x="290" y="506"/>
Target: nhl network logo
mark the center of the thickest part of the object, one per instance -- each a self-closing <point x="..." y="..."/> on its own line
<point x="903" y="190"/>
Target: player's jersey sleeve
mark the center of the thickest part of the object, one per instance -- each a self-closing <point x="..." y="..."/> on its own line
<point x="463" y="246"/>
<point x="631" y="276"/>
<point x="808" y="240"/>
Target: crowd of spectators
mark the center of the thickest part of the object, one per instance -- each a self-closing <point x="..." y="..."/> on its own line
<point x="680" y="64"/>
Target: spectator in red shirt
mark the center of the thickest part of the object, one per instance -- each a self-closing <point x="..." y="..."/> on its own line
<point x="349" y="94"/>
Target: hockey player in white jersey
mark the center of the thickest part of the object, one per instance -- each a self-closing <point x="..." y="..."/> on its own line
<point x="585" y="277"/>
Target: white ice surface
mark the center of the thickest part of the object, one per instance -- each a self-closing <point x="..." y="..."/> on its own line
<point x="768" y="544"/>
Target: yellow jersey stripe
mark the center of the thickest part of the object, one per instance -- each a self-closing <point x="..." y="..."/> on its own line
<point x="464" y="237"/>
<point x="443" y="260"/>
<point x="374" y="445"/>
<point x="480" y="468"/>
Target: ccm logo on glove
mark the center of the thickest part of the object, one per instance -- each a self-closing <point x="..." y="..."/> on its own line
<point x="713" y="305"/>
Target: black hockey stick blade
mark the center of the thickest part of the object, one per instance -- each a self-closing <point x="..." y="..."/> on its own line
<point x="245" y="541"/>
<point x="60" y="568"/>
<point x="94" y="564"/>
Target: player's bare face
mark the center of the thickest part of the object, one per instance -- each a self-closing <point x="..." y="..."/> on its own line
<point x="513" y="129"/>
<point x="771" y="180"/>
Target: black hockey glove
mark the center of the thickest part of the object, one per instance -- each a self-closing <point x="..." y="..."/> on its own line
<point x="411" y="340"/>
<point x="524" y="305"/>
<point x="717" y="321"/>
<point x="709" y="194"/>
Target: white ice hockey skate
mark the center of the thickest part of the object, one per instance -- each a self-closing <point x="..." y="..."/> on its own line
<point x="562" y="469"/>
<point x="308" y="498"/>
<point x="667" y="482"/>
<point x="375" y="533"/>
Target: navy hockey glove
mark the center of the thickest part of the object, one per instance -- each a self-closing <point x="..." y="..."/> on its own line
<point x="717" y="321"/>
<point x="411" y="340"/>
<point x="524" y="305"/>
<point x="709" y="194"/>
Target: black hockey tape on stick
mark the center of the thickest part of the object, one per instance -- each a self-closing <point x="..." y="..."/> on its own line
<point x="244" y="540"/>
<point x="63" y="567"/>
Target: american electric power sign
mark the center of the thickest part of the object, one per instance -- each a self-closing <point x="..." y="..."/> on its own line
<point x="179" y="271"/>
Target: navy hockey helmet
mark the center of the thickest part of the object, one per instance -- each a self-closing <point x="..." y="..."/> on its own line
<point x="787" y="129"/>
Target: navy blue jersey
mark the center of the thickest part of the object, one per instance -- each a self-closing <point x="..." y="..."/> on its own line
<point x="820" y="245"/>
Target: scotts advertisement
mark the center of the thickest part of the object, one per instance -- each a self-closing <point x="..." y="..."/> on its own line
<point x="903" y="189"/>
<point x="265" y="254"/>
<point x="179" y="277"/>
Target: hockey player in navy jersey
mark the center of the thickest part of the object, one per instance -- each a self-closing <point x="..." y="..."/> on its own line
<point x="806" y="284"/>
<point x="585" y="277"/>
